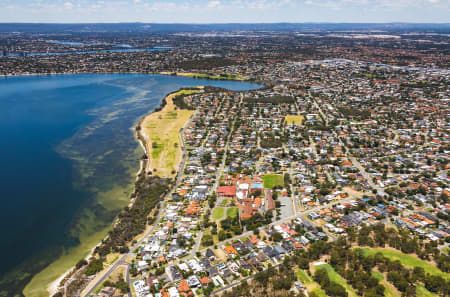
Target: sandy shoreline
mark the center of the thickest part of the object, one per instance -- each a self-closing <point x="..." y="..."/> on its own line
<point x="143" y="140"/>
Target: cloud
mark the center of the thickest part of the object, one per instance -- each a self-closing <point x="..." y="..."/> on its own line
<point x="342" y="4"/>
<point x="214" y="4"/>
<point x="68" y="5"/>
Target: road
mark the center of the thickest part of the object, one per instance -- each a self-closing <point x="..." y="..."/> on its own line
<point x="367" y="176"/>
<point x="301" y="214"/>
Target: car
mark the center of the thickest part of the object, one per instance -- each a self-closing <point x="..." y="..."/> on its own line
<point x="298" y="285"/>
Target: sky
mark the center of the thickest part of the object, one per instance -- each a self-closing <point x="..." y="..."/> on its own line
<point x="225" y="11"/>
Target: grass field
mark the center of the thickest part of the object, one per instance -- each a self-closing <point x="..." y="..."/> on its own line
<point x="232" y="212"/>
<point x="422" y="292"/>
<point x="218" y="213"/>
<point x="224" y="202"/>
<point x="160" y="131"/>
<point x="310" y="284"/>
<point x="407" y="260"/>
<point x="390" y="290"/>
<point x="223" y="76"/>
<point x="294" y="119"/>
<point x="273" y="180"/>
<point x="334" y="276"/>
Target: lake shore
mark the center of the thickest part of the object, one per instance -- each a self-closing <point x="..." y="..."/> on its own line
<point x="48" y="280"/>
<point x="143" y="138"/>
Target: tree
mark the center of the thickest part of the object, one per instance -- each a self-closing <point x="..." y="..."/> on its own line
<point x="222" y="235"/>
<point x="207" y="240"/>
<point x="81" y="263"/>
<point x="122" y="285"/>
<point x="419" y="273"/>
<point x="94" y="266"/>
<point x="276" y="236"/>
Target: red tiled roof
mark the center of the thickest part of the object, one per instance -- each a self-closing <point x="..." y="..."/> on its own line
<point x="227" y="190"/>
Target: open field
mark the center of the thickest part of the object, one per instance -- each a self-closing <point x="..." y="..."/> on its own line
<point x="422" y="292"/>
<point x="218" y="213"/>
<point x="232" y="212"/>
<point x="160" y="132"/>
<point x="310" y="284"/>
<point x="390" y="290"/>
<point x="273" y="180"/>
<point x="222" y="76"/>
<point x="334" y="276"/>
<point x="407" y="260"/>
<point x="294" y="119"/>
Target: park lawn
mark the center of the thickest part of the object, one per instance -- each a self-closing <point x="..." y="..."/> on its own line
<point x="390" y="290"/>
<point x="310" y="284"/>
<point x="334" y="276"/>
<point x="303" y="277"/>
<point x="423" y="292"/>
<point x="273" y="180"/>
<point x="188" y="92"/>
<point x="224" y="202"/>
<point x="407" y="260"/>
<point x="294" y="119"/>
<point x="160" y="132"/>
<point x="232" y="212"/>
<point x="218" y="213"/>
<point x="223" y="76"/>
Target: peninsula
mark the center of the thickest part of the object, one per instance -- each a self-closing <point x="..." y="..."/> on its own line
<point x="160" y="133"/>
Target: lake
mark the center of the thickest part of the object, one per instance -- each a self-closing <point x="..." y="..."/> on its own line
<point x="68" y="159"/>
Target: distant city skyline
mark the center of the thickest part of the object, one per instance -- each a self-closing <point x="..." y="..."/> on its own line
<point x="225" y="11"/>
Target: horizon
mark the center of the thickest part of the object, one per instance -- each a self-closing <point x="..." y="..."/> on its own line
<point x="225" y="11"/>
<point x="228" y="23"/>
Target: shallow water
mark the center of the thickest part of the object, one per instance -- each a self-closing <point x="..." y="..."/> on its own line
<point x="68" y="157"/>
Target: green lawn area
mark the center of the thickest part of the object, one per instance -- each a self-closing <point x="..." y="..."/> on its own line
<point x="157" y="147"/>
<point x="218" y="213"/>
<point x="224" y="202"/>
<point x="188" y="92"/>
<point x="303" y="277"/>
<point x="390" y="289"/>
<point x="224" y="76"/>
<point x="309" y="283"/>
<point x="334" y="276"/>
<point x="232" y="212"/>
<point x="422" y="292"/>
<point x="273" y="180"/>
<point x="407" y="260"/>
